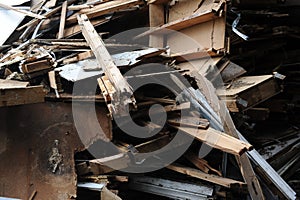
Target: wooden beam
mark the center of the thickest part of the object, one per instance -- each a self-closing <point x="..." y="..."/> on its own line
<point x="27" y="13"/>
<point x="62" y="20"/>
<point x="123" y="95"/>
<point x="225" y="182"/>
<point x="181" y="23"/>
<point x="105" y="8"/>
<point x="218" y="140"/>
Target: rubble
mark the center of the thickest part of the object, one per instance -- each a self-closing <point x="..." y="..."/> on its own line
<point x="90" y="110"/>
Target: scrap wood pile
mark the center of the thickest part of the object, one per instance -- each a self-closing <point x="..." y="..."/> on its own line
<point x="61" y="57"/>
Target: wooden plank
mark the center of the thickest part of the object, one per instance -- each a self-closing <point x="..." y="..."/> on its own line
<point x="36" y="21"/>
<point x="218" y="140"/>
<point x="121" y="160"/>
<point x="51" y="3"/>
<point x="79" y="57"/>
<point x="88" y="4"/>
<point x="123" y="89"/>
<point x="52" y="80"/>
<point x="105" y="8"/>
<point x="75" y="29"/>
<point x="46" y="15"/>
<point x="156" y="18"/>
<point x="249" y="175"/>
<point x="194" y="55"/>
<point x="62" y="20"/>
<point x="244" y="83"/>
<point x="212" y="37"/>
<point x="200" y="163"/>
<point x="180" y="24"/>
<point x="225" y="182"/>
<point x="27" y="13"/>
<point x="36" y="66"/>
<point x="20" y="96"/>
<point x="107" y="90"/>
<point x="11" y="84"/>
<point x="246" y="92"/>
<point x="243" y="161"/>
<point x="194" y="122"/>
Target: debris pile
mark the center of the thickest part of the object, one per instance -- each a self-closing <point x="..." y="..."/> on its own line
<point x="95" y="105"/>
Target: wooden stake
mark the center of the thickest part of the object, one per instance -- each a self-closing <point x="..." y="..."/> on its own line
<point x="62" y="20"/>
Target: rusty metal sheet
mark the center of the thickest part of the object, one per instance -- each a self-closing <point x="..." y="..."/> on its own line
<point x="37" y="149"/>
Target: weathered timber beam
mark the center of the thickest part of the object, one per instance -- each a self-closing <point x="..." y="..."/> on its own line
<point x="123" y="89"/>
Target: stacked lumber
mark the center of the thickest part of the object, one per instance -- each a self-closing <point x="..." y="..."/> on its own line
<point x="176" y="111"/>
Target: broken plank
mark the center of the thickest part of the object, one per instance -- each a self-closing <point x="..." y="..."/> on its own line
<point x="123" y="89"/>
<point x="200" y="163"/>
<point x="193" y="122"/>
<point x="226" y="182"/>
<point x="62" y="20"/>
<point x="181" y="23"/>
<point x="11" y="84"/>
<point x="51" y="3"/>
<point x="196" y="54"/>
<point x="218" y="140"/>
<point x="46" y="15"/>
<point x="36" y="66"/>
<point x="75" y="29"/>
<point x="52" y="81"/>
<point x="250" y="178"/>
<point x="105" y="8"/>
<point x="79" y="57"/>
<point x="28" y="13"/>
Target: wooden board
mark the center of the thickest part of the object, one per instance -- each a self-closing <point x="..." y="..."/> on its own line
<point x="249" y="91"/>
<point x="20" y="96"/>
<point x="181" y="23"/>
<point x="208" y="35"/>
<point x="105" y="8"/>
<point x="11" y="84"/>
<point x="226" y="182"/>
<point x="75" y="29"/>
<point x="218" y="140"/>
<point x="243" y="84"/>
<point x="62" y="20"/>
